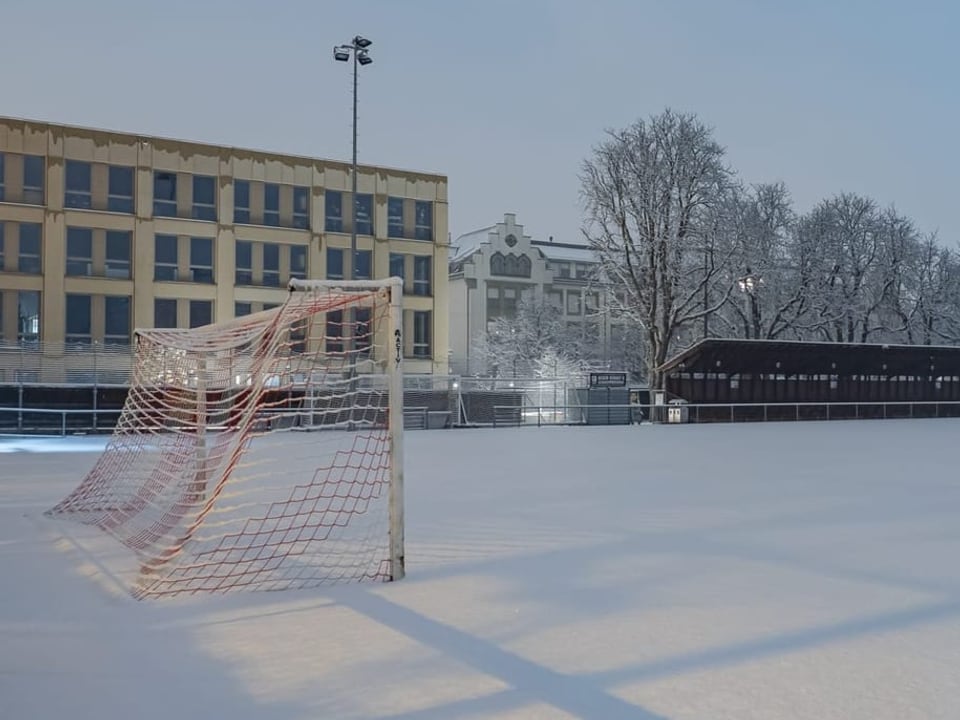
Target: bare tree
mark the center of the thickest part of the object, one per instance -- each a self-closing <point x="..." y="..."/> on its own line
<point x="930" y="302"/>
<point x="653" y="195"/>
<point x="769" y="271"/>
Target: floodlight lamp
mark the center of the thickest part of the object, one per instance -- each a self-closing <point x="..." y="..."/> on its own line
<point x="340" y="55"/>
<point x="364" y="59"/>
<point x="361" y="42"/>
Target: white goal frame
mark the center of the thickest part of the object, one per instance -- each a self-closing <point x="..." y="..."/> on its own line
<point x="189" y="483"/>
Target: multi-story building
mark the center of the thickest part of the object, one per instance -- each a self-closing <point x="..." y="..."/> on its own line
<point x="493" y="268"/>
<point x="102" y="232"/>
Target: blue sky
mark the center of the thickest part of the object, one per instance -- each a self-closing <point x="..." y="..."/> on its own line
<point x="507" y="98"/>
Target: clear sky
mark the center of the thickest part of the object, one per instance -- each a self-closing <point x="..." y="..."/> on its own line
<point x="507" y="98"/>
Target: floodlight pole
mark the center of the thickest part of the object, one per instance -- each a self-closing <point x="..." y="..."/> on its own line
<point x="358" y="50"/>
<point x="353" y="175"/>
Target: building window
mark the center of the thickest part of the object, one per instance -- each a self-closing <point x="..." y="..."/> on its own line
<point x="364" y="210"/>
<point x="301" y="207"/>
<point x="423" y="216"/>
<point x="573" y="302"/>
<point x="397" y="262"/>
<point x="79" y="251"/>
<point x="241" y="201"/>
<point x="117" y="255"/>
<point x="510" y="265"/>
<point x="28" y="316"/>
<point x="78" y="320"/>
<point x="29" y="259"/>
<point x="271" y="264"/>
<point x="333" y="212"/>
<point x="204" y="197"/>
<point x="164" y="313"/>
<point x="1" y="253"/>
<point x="334" y="331"/>
<point x="201" y="312"/>
<point x="421" y="274"/>
<point x="298" y="261"/>
<point x="78" y="192"/>
<point x="240" y="309"/>
<point x="334" y="263"/>
<point x="364" y="268"/>
<point x="116" y="320"/>
<point x="244" y="263"/>
<point x="363" y="328"/>
<point x="120" y="189"/>
<point x="2" y="170"/>
<point x="421" y="333"/>
<point x="563" y="270"/>
<point x="201" y="260"/>
<point x="165" y="258"/>
<point x="394" y="217"/>
<point x="33" y="172"/>
<point x="164" y="194"/>
<point x="271" y="204"/>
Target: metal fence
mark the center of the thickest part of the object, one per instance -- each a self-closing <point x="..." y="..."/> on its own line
<point x="682" y="414"/>
<point x="56" y="421"/>
<point x="59" y="363"/>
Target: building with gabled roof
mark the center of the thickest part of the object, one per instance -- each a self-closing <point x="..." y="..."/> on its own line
<point x="494" y="267"/>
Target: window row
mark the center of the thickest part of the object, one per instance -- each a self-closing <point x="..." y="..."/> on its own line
<point x="103" y="319"/>
<point x="269" y="264"/>
<point x="102" y="186"/>
<point x="107" y="319"/>
<point x="406" y="218"/>
<point x="94" y="252"/>
<point x="510" y="265"/>
<point x="180" y="312"/>
<point x="98" y="186"/>
<point x="99" y="253"/>
<point x="338" y="329"/>
<point x="577" y="303"/>
<point x="22" y="178"/>
<point x="570" y="270"/>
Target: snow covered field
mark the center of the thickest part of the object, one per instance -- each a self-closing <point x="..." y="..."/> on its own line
<point x="749" y="572"/>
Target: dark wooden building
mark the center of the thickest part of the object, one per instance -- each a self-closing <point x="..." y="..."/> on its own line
<point x="724" y="371"/>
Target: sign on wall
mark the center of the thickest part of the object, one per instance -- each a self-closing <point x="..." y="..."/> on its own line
<point x="608" y="379"/>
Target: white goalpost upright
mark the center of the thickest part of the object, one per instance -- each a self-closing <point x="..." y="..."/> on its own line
<point x="203" y="480"/>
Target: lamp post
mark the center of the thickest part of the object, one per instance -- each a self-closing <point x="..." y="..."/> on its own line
<point x="358" y="50"/>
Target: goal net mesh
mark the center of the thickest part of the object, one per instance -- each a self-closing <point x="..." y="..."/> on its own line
<point x="258" y="453"/>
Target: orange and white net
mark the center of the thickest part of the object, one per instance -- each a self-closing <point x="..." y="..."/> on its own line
<point x="261" y="453"/>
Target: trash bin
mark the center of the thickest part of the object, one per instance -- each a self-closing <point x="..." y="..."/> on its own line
<point x="678" y="412"/>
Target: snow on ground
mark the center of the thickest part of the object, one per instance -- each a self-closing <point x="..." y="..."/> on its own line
<point x="768" y="572"/>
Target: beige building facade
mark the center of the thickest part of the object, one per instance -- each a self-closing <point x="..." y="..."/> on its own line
<point x="103" y="232"/>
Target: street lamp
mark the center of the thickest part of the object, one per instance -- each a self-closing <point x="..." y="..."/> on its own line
<point x="358" y="50"/>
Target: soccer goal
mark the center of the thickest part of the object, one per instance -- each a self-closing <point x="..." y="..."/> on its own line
<point x="262" y="453"/>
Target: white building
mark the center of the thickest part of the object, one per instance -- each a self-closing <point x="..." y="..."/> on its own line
<point x="493" y="267"/>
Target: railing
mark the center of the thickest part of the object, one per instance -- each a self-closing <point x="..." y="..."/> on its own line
<point x="47" y="421"/>
<point x="515" y="415"/>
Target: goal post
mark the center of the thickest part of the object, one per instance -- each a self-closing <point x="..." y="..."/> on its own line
<point x="206" y="480"/>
